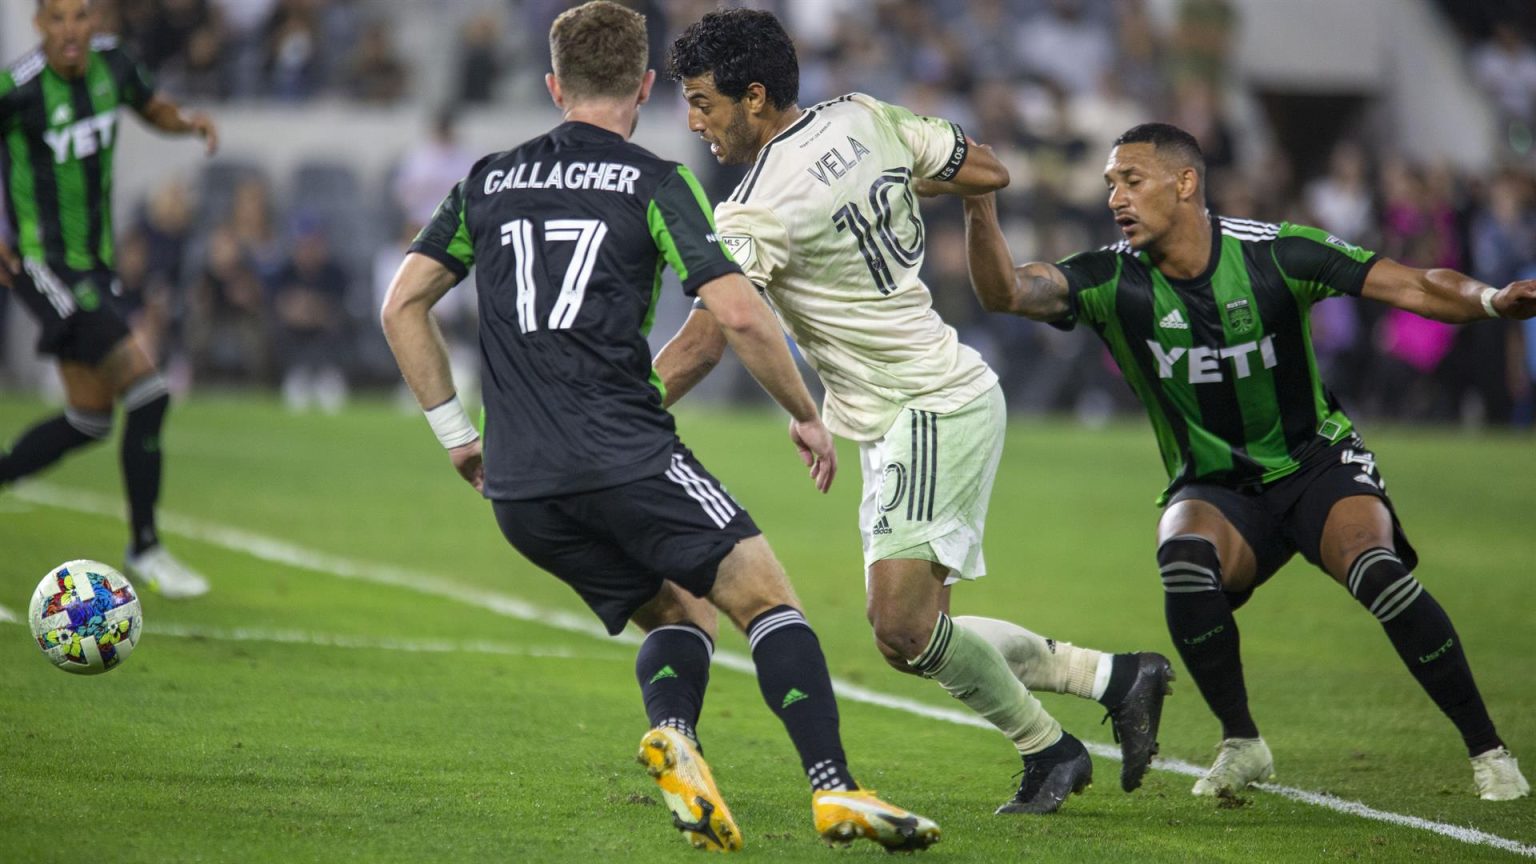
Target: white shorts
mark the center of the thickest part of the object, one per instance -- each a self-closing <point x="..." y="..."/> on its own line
<point x="927" y="481"/>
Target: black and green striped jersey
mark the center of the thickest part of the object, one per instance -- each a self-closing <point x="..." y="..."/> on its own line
<point x="1223" y="362"/>
<point x="59" y="137"/>
<point x="568" y="234"/>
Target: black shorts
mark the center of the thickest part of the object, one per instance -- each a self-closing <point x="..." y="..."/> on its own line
<point x="76" y="311"/>
<point x="616" y="545"/>
<point x="1288" y="515"/>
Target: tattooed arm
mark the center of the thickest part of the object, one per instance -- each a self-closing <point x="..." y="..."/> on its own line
<point x="1036" y="290"/>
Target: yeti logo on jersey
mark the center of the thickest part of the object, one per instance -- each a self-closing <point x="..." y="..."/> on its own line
<point x="87" y="137"/>
<point x="1239" y="316"/>
<point x="893" y="487"/>
<point x="739" y="246"/>
<point x="1204" y="363"/>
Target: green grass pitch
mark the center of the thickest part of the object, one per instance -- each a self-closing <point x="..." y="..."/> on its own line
<point x="300" y="713"/>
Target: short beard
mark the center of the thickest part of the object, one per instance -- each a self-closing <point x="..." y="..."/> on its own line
<point x="737" y="139"/>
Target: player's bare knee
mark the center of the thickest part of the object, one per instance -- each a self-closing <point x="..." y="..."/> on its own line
<point x="1355" y="525"/>
<point x="672" y="606"/>
<point x="126" y="364"/>
<point x="894" y="659"/>
<point x="902" y="631"/>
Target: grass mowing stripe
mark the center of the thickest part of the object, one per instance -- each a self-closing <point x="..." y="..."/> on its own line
<point x="336" y="640"/>
<point x="278" y="551"/>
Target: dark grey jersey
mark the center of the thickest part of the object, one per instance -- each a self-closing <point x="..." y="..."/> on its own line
<point x="568" y="234"/>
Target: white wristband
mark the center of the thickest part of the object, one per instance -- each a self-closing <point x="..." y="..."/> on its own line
<point x="1488" y="295"/>
<point x="451" y="424"/>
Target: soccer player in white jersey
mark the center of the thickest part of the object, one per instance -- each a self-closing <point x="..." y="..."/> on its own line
<point x="826" y="225"/>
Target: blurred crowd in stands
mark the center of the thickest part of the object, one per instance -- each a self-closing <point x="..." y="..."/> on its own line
<point x="253" y="280"/>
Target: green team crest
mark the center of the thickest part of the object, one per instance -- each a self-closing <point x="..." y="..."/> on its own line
<point x="1239" y="316"/>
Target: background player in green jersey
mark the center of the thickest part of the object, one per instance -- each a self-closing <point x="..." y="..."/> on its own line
<point x="58" y="121"/>
<point x="1207" y="318"/>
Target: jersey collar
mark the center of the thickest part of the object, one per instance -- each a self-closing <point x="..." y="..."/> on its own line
<point x="1210" y="267"/>
<point x="581" y="129"/>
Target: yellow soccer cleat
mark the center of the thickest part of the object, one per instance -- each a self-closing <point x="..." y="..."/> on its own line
<point x="843" y="817"/>
<point x="689" y="790"/>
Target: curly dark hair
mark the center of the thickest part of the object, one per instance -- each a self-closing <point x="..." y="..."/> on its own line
<point x="740" y="47"/>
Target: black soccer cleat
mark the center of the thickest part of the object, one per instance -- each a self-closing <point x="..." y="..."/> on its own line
<point x="1137" y="716"/>
<point x="1051" y="775"/>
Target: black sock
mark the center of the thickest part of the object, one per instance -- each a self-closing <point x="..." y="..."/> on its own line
<point x="1122" y="674"/>
<point x="1424" y="637"/>
<point x="146" y="402"/>
<point x="672" y="667"/>
<point x="1202" y="627"/>
<point x="792" y="674"/>
<point x="46" y="442"/>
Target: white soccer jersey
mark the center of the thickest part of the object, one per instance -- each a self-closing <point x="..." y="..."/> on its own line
<point x="826" y="223"/>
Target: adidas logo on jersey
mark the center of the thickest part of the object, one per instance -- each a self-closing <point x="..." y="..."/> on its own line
<point x="882" y="527"/>
<point x="1174" y="321"/>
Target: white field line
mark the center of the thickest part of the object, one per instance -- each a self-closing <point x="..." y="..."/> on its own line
<point x="338" y="640"/>
<point x="281" y="552"/>
<point x="8" y="615"/>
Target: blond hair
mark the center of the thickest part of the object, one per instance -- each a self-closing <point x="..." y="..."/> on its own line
<point x="599" y="50"/>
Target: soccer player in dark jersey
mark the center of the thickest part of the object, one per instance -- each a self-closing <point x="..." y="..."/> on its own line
<point x="58" y="118"/>
<point x="569" y="233"/>
<point x="1207" y="318"/>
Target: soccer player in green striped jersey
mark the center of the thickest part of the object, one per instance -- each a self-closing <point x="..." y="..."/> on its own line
<point x="1207" y="318"/>
<point x="58" y="122"/>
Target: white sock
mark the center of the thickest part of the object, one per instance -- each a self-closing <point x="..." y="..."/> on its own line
<point x="1041" y="663"/>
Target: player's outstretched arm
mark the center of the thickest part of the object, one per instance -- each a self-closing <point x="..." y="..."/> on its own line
<point x="1446" y="295"/>
<point x="981" y="173"/>
<point x="1036" y="290"/>
<point x="753" y="333"/>
<point x="167" y="116"/>
<point x="689" y="356"/>
<point x="422" y="354"/>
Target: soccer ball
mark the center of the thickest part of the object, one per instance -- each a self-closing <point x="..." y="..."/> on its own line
<point x="85" y="616"/>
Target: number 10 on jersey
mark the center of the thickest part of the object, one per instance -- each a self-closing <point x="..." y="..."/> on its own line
<point x="588" y="236"/>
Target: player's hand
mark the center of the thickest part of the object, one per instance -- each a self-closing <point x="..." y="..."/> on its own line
<point x="10" y="264"/>
<point x="1517" y="300"/>
<point x="817" y="450"/>
<point x="203" y="125"/>
<point x="468" y="462"/>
